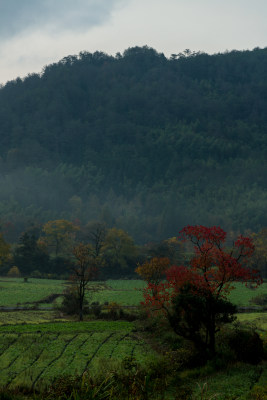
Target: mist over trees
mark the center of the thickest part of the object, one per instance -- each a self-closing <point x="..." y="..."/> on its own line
<point x="137" y="141"/>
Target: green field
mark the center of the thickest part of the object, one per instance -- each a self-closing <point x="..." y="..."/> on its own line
<point x="34" y="355"/>
<point x="237" y="382"/>
<point x="15" y="292"/>
<point x="37" y="346"/>
<point x="241" y="295"/>
<point x="28" y="317"/>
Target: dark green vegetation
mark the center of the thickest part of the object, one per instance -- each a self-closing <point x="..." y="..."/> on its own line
<point x="118" y="359"/>
<point x="139" y="141"/>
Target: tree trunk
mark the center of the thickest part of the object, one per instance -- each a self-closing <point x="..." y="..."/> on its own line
<point x="81" y="297"/>
<point x="211" y="332"/>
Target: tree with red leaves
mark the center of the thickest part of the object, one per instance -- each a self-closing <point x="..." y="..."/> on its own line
<point x="194" y="297"/>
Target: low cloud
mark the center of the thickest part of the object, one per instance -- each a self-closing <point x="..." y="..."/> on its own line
<point x="20" y="16"/>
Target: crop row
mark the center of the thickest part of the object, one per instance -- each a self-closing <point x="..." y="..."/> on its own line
<point x="35" y="359"/>
<point x="68" y="327"/>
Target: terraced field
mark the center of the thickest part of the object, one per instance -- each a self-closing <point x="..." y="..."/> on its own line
<point x="37" y="346"/>
<point x="34" y="355"/>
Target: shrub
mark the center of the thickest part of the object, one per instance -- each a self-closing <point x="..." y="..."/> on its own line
<point x="246" y="345"/>
<point x="115" y="312"/>
<point x="70" y="304"/>
<point x="76" y="387"/>
<point x="258" y="393"/>
<point x="6" y="394"/>
<point x="128" y="380"/>
<point x="96" y="309"/>
<point x="264" y="341"/>
<point x="36" y="274"/>
<point x="14" y="272"/>
<point x="260" y="300"/>
<point x="188" y="356"/>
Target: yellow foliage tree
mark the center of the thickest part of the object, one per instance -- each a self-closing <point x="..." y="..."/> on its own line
<point x="152" y="271"/>
<point x="4" y="250"/>
<point x="13" y="272"/>
<point x="58" y="236"/>
<point x="119" y="246"/>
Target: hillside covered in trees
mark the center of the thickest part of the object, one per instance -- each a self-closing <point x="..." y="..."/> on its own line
<point x="138" y="141"/>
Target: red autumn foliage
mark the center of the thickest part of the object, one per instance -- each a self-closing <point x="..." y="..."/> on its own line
<point x="212" y="269"/>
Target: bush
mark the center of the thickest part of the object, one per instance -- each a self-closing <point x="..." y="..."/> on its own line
<point x="260" y="300"/>
<point x="14" y="272"/>
<point x="96" y="308"/>
<point x="116" y="312"/>
<point x="188" y="356"/>
<point x="70" y="304"/>
<point x="264" y="341"/>
<point x="126" y="380"/>
<point x="246" y="345"/>
<point x="258" y="393"/>
<point x="6" y="394"/>
<point x="36" y="274"/>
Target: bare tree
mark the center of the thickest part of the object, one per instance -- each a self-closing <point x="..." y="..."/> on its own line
<point x="84" y="271"/>
<point x="97" y="236"/>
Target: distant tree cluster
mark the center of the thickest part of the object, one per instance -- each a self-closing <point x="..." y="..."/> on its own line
<point x="59" y="246"/>
<point x="52" y="251"/>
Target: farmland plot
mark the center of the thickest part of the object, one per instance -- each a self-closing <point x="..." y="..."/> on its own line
<point x="27" y="317"/>
<point x="15" y="292"/>
<point x="35" y="355"/>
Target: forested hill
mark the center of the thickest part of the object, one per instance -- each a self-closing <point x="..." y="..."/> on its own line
<point x="139" y="141"/>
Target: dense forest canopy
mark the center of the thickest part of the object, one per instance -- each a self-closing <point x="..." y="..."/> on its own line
<point x="138" y="141"/>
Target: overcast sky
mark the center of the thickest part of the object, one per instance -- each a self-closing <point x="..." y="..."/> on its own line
<point x="34" y="33"/>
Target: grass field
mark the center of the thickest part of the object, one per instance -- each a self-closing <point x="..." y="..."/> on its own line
<point x="28" y="317"/>
<point x="15" y="292"/>
<point x="236" y="382"/>
<point x="258" y="320"/>
<point x="241" y="295"/>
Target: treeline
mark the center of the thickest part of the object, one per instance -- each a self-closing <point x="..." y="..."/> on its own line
<point x="48" y="250"/>
<point x="138" y="141"/>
